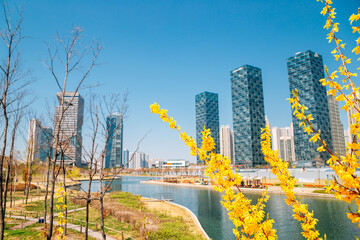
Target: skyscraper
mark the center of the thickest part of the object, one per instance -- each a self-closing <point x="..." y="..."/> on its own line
<point x="248" y="115"/>
<point x="45" y="142"/>
<point x="337" y="129"/>
<point x="34" y="144"/>
<point x="70" y="135"/>
<point x="305" y="69"/>
<point x="39" y="140"/>
<point x="207" y="114"/>
<point x="226" y="143"/>
<point x="114" y="145"/>
<point x="126" y="158"/>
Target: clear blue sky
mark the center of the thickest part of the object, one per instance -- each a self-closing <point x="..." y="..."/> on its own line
<point x="167" y="51"/>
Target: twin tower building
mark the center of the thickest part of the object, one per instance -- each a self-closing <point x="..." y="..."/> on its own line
<point x="305" y="69"/>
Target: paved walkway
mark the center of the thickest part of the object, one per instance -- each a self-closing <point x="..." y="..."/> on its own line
<point x="22" y="201"/>
<point x="78" y="228"/>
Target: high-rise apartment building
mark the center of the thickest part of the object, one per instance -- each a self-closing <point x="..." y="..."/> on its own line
<point x="207" y="115"/>
<point x="226" y="143"/>
<point x="282" y="142"/>
<point x="337" y="129"/>
<point x="114" y="145"/>
<point x="34" y="137"/>
<point x="248" y="115"/>
<point x="140" y="160"/>
<point x="70" y="134"/>
<point x="305" y="69"/>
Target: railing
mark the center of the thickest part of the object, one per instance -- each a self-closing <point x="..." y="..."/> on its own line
<point x="164" y="196"/>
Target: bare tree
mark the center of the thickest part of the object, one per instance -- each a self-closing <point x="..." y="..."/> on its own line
<point x="12" y="85"/>
<point x="70" y="56"/>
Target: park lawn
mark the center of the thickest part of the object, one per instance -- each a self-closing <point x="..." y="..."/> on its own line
<point x="35" y="232"/>
<point x="127" y="199"/>
<point x="110" y="221"/>
<point x="38" y="206"/>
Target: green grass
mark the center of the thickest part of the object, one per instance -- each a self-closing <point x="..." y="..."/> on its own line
<point x="110" y="221"/>
<point x="38" y="206"/>
<point x="35" y="232"/>
<point x="321" y="191"/>
<point x="26" y="233"/>
<point x="172" y="228"/>
<point x="126" y="199"/>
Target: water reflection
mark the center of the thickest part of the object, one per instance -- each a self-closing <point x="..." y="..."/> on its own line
<point x="205" y="203"/>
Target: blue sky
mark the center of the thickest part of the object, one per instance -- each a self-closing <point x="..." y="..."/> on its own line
<point x="167" y="51"/>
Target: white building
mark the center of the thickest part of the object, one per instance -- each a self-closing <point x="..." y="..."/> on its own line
<point x="227" y="143"/>
<point x="140" y="160"/>
<point x="34" y="135"/>
<point x="175" y="163"/>
<point x="282" y="141"/>
<point x="337" y="129"/>
<point x="347" y="136"/>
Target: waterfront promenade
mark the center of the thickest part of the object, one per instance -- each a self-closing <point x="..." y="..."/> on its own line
<point x="299" y="191"/>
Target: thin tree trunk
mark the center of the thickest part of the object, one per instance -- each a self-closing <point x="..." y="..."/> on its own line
<point x="64" y="183"/>
<point x="102" y="217"/>
<point x="47" y="190"/>
<point x="29" y="182"/>
<point x="3" y="200"/>
<point x="51" y="207"/>
<point x="88" y="200"/>
<point x="102" y="194"/>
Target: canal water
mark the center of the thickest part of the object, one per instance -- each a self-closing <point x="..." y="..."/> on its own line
<point x="205" y="203"/>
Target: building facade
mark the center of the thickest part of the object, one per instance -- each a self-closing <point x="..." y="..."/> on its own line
<point x="46" y="138"/>
<point x="227" y="143"/>
<point x="248" y="115"/>
<point x="34" y="137"/>
<point x="305" y="69"/>
<point x="207" y="115"/>
<point x="140" y="160"/>
<point x="282" y="142"/>
<point x="70" y="125"/>
<point x="114" y="144"/>
<point x="126" y="158"/>
<point x="337" y="129"/>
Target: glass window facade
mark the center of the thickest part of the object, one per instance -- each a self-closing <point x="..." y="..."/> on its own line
<point x="114" y="145"/>
<point x="305" y="69"/>
<point x="207" y="114"/>
<point x="45" y="142"/>
<point x="248" y="115"/>
<point x="71" y="122"/>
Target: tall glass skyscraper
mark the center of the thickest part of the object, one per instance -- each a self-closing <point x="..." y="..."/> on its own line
<point x="248" y="115"/>
<point x="46" y="138"/>
<point x="207" y="114"/>
<point x="114" y="145"/>
<point x="305" y="69"/>
<point x="70" y="134"/>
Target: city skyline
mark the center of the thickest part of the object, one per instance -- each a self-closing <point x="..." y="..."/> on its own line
<point x="205" y="38"/>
